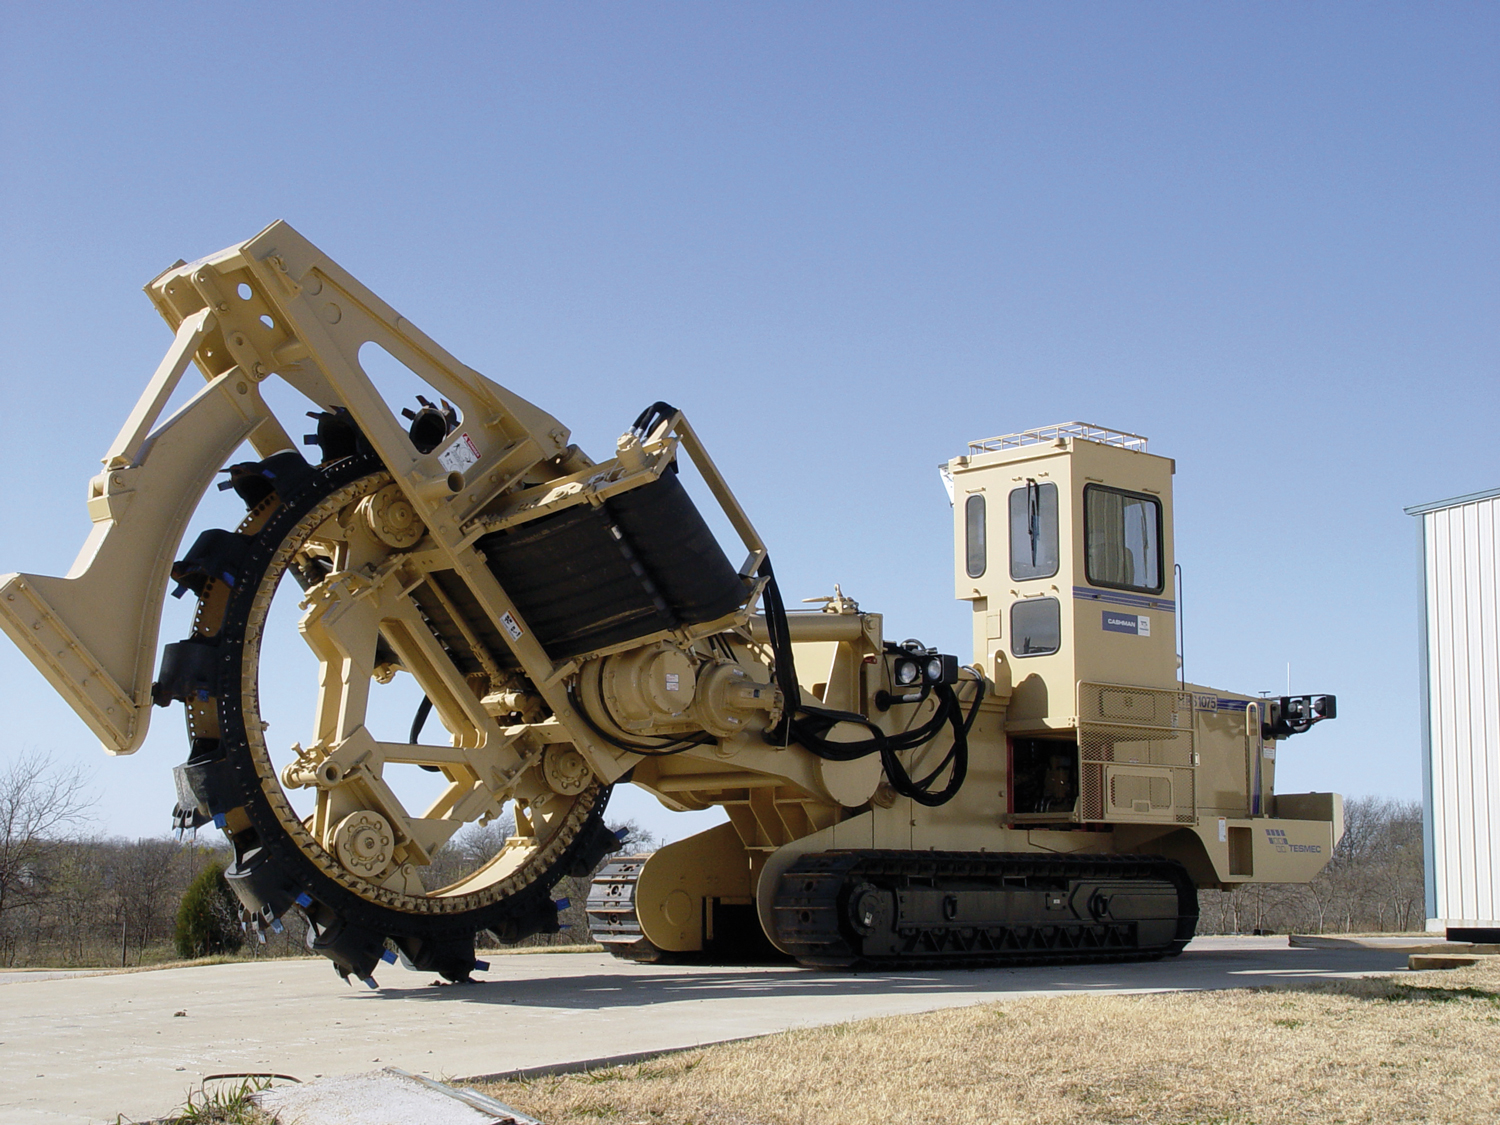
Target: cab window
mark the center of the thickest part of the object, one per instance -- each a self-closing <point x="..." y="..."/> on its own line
<point x="974" y="549"/>
<point x="1035" y="627"/>
<point x="1122" y="531"/>
<point x="1033" y="531"/>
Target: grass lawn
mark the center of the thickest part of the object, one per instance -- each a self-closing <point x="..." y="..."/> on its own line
<point x="1409" y="1047"/>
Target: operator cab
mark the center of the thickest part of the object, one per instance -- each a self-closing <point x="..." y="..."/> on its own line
<point x="1063" y="547"/>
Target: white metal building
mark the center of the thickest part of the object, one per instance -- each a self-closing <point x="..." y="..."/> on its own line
<point x="1460" y="697"/>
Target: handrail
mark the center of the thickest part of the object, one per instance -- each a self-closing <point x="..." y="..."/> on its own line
<point x="1084" y="431"/>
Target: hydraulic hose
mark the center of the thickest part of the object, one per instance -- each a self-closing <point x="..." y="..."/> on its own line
<point x="809" y="726"/>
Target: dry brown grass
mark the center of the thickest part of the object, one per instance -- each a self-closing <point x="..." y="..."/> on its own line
<point x="1413" y="1047"/>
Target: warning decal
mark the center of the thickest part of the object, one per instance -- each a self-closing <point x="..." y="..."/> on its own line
<point x="460" y="455"/>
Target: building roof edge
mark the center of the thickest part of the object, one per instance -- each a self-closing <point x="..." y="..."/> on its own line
<point x="1437" y="505"/>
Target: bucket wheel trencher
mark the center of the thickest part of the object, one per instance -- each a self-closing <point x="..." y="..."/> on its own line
<point x="354" y="867"/>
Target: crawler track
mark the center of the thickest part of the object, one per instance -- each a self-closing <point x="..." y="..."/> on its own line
<point x="894" y="909"/>
<point x="613" y="922"/>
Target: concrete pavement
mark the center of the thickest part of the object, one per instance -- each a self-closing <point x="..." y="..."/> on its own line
<point x="83" y="1049"/>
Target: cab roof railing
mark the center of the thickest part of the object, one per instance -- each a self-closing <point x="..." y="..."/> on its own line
<point x="1084" y="431"/>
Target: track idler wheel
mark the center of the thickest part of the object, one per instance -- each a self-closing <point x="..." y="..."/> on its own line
<point x="870" y="908"/>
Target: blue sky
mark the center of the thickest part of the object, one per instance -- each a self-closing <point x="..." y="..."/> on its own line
<point x="846" y="239"/>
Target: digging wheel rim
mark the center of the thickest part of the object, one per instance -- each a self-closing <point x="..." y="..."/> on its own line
<point x="265" y="818"/>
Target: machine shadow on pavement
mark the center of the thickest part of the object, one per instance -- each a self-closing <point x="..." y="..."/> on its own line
<point x="1208" y="969"/>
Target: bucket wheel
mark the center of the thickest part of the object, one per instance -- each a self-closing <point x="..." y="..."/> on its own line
<point x="323" y="825"/>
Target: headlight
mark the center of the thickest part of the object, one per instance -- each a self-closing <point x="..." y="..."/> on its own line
<point x="906" y="672"/>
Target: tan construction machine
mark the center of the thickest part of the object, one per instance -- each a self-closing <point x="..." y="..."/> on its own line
<point x="574" y="624"/>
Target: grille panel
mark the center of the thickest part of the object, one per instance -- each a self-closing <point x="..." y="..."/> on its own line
<point x="1135" y="754"/>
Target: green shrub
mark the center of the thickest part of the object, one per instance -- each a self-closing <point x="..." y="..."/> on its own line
<point x="208" y="919"/>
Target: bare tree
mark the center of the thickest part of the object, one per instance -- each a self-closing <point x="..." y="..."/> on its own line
<point x="76" y="882"/>
<point x="149" y="877"/>
<point x="469" y="850"/>
<point x="38" y="800"/>
<point x="634" y="838"/>
<point x="1395" y="870"/>
<point x="1374" y="881"/>
<point x="1322" y="894"/>
<point x="476" y="844"/>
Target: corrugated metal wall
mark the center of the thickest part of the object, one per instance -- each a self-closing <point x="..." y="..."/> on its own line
<point x="1461" y="548"/>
